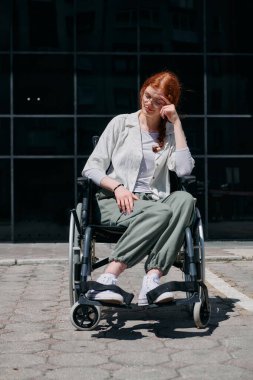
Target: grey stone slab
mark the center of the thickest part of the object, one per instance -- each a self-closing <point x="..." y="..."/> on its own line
<point x="25" y="336"/>
<point x="86" y="359"/>
<point x="145" y="373"/>
<point x="208" y="356"/>
<point x="202" y="371"/>
<point x="20" y="360"/>
<point x="18" y="373"/>
<point x="147" y="357"/>
<point x="77" y="373"/>
<point x="22" y="347"/>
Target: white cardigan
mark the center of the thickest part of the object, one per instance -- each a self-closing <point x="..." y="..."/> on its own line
<point x="118" y="154"/>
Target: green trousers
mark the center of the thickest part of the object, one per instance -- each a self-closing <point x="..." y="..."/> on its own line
<point x="155" y="229"/>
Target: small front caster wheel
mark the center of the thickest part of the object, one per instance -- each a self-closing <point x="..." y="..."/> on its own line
<point x="85" y="317"/>
<point x="201" y="314"/>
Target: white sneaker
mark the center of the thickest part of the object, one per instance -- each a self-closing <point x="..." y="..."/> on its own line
<point x="151" y="282"/>
<point x="106" y="295"/>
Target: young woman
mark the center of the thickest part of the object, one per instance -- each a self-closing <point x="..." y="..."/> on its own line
<point x="131" y="164"/>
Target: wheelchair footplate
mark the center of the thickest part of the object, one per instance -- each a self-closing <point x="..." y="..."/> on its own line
<point x="86" y="313"/>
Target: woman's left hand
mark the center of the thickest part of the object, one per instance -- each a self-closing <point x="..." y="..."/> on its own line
<point x="169" y="111"/>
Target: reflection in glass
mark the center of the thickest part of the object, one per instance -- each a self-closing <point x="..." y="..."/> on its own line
<point x="230" y="197"/>
<point x="107" y="84"/>
<point x="190" y="72"/>
<point x="107" y="25"/>
<point x="5" y="84"/>
<point x="229" y="25"/>
<point x="44" y="194"/>
<point x="43" y="84"/>
<point x="43" y="136"/>
<point x="230" y="136"/>
<point x="229" y="85"/>
<point x="86" y="129"/>
<point x="169" y="25"/>
<point x="5" y="201"/>
<point x="43" y="25"/>
<point x="5" y="137"/>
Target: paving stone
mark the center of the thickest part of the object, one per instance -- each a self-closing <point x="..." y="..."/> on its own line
<point x="84" y="373"/>
<point x="145" y="373"/>
<point x="20" y="374"/>
<point x="86" y="359"/>
<point x="20" y="360"/>
<point x="146" y="357"/>
<point x="207" y="356"/>
<point x="217" y="371"/>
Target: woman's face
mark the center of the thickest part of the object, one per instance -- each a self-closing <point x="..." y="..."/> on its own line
<point x="152" y="101"/>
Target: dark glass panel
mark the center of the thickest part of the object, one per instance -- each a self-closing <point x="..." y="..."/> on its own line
<point x="230" y="136"/>
<point x="107" y="25"/>
<point x="44" y="194"/>
<point x="5" y="24"/>
<point x="194" y="132"/>
<point x="43" y="84"/>
<point x="86" y="129"/>
<point x="171" y="26"/>
<point x="51" y="136"/>
<point x="5" y="200"/>
<point x="107" y="85"/>
<point x="229" y="25"/>
<point x="5" y="137"/>
<point x="43" y="25"/>
<point x="190" y="72"/>
<point x="229" y="85"/>
<point x="5" y="84"/>
<point x="80" y="165"/>
<point x="230" y="197"/>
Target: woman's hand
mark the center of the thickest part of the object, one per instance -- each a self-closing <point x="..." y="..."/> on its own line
<point x="169" y="111"/>
<point x="125" y="199"/>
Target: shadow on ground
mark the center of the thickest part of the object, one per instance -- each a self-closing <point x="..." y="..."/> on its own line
<point x="173" y="321"/>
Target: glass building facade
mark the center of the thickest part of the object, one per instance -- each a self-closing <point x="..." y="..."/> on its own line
<point x="68" y="66"/>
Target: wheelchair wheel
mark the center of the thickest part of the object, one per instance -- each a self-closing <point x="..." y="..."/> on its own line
<point x="202" y="310"/>
<point x="188" y="246"/>
<point x="85" y="317"/>
<point x="199" y="248"/>
<point x="74" y="253"/>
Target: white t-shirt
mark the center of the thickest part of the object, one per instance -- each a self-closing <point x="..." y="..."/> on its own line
<point x="146" y="172"/>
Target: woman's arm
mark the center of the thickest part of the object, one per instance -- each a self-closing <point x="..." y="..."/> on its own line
<point x="182" y="162"/>
<point x="169" y="111"/>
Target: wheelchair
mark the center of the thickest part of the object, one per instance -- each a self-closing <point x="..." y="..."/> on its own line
<point x="85" y="231"/>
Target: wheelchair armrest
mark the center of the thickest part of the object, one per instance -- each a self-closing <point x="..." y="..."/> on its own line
<point x="189" y="183"/>
<point x="188" y="180"/>
<point x="83" y="182"/>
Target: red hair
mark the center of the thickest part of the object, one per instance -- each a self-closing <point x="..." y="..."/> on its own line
<point x="169" y="84"/>
<point x="166" y="81"/>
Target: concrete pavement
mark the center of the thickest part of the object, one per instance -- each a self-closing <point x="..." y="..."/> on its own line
<point x="29" y="253"/>
<point x="37" y="340"/>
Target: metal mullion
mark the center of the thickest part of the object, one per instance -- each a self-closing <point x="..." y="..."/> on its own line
<point x="75" y="100"/>
<point x="34" y="157"/>
<point x="138" y="79"/>
<point x="44" y="116"/>
<point x="12" y="206"/>
<point x="205" y="121"/>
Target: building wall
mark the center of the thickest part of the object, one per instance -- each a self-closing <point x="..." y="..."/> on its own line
<point x="67" y="67"/>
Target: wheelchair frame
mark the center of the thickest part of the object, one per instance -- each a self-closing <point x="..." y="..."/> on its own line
<point x="85" y="314"/>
